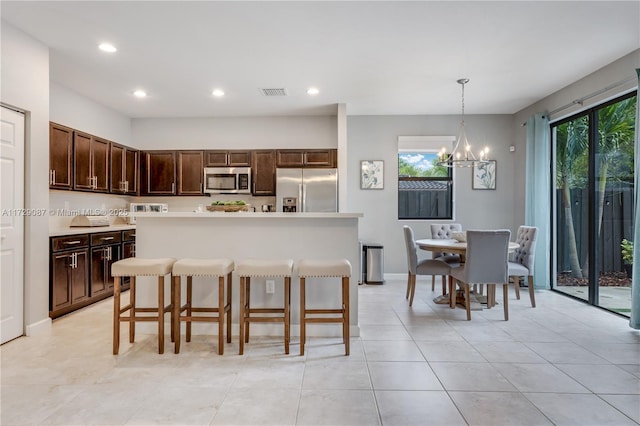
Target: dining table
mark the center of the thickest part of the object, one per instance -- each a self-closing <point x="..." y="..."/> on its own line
<point x="454" y="247"/>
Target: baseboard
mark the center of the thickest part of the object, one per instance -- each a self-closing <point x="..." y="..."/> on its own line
<point x="40" y="327"/>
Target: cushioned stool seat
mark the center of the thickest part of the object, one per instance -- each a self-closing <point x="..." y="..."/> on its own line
<point x="311" y="268"/>
<point x="190" y="268"/>
<point x="252" y="268"/>
<point x="135" y="267"/>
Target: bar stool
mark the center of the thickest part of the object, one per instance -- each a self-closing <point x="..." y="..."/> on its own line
<point x="250" y="268"/>
<point x="201" y="268"/>
<point x="340" y="268"/>
<point x="135" y="267"/>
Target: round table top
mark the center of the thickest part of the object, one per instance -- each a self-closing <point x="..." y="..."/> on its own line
<point x="451" y="246"/>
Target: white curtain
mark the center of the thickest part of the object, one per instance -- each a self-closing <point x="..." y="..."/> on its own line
<point x="537" y="201"/>
<point x="634" y="321"/>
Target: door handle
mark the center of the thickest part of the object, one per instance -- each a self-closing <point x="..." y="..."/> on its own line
<point x="71" y="242"/>
<point x="106" y="238"/>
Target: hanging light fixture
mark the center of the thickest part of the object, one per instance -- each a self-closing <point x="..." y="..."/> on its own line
<point x="462" y="156"/>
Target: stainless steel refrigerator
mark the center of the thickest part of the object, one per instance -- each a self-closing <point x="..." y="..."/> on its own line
<point x="314" y="190"/>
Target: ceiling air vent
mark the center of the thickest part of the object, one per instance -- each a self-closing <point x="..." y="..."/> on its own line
<point x="274" y="92"/>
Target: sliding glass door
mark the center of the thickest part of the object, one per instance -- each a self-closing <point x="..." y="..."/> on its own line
<point x="593" y="200"/>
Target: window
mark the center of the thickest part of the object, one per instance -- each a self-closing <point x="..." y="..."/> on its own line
<point x="424" y="188"/>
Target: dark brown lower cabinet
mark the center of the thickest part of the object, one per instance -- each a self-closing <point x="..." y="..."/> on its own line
<point x="70" y="279"/>
<point x="101" y="260"/>
<point x="80" y="268"/>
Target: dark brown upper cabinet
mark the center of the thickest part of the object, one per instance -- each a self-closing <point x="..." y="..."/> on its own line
<point x="158" y="173"/>
<point x="124" y="170"/>
<point x="307" y="158"/>
<point x="60" y="156"/>
<point x="190" y="172"/>
<point x="91" y="163"/>
<point x="263" y="170"/>
<point x="227" y="158"/>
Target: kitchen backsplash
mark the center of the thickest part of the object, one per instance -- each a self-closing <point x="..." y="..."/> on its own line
<point x="64" y="205"/>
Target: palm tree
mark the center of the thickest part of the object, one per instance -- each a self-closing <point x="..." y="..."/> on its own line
<point x="571" y="152"/>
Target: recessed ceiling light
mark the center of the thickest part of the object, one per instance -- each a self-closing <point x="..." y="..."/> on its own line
<point x="140" y="94"/>
<point x="312" y="91"/>
<point x="107" y="47"/>
<point x="218" y="93"/>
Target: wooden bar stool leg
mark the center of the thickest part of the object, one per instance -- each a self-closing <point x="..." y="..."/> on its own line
<point x="116" y="315"/>
<point x="345" y="284"/>
<point x="242" y="314"/>
<point x="220" y="315"/>
<point x="228" y="307"/>
<point x="248" y="310"/>
<point x="161" y="314"/>
<point x="287" y="313"/>
<point x="176" y="309"/>
<point x="303" y="316"/>
<point x="189" y="306"/>
<point x="132" y="309"/>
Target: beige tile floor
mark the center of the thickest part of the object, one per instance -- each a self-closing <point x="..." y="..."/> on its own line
<point x="560" y="363"/>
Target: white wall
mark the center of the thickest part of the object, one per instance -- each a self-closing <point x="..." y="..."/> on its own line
<point x="70" y="109"/>
<point x="78" y="112"/>
<point x="617" y="71"/>
<point x="25" y="85"/>
<point x="376" y="138"/>
<point x="235" y="133"/>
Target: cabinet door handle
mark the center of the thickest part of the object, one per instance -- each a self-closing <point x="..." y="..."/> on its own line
<point x="50" y="177"/>
<point x="74" y="260"/>
<point x="71" y="242"/>
<point x="54" y="176"/>
<point x="126" y="186"/>
<point x="95" y="182"/>
<point x="106" y="238"/>
<point x="173" y="187"/>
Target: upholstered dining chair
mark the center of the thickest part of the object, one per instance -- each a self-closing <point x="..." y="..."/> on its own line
<point x="442" y="231"/>
<point x="423" y="267"/>
<point x="523" y="260"/>
<point x="486" y="263"/>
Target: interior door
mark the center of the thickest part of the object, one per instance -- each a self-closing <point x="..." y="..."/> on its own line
<point x="12" y="224"/>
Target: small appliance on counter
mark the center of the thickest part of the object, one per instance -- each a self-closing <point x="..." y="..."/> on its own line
<point x="146" y="208"/>
<point x="89" y="221"/>
<point x="289" y="204"/>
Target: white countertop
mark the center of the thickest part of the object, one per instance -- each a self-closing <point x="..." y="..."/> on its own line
<point x="249" y="215"/>
<point x="88" y="230"/>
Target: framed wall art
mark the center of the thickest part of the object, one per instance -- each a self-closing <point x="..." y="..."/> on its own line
<point x="372" y="174"/>
<point x="484" y="175"/>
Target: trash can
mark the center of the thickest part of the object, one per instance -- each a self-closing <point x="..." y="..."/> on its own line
<point x="372" y="263"/>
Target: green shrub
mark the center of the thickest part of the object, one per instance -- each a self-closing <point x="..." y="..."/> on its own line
<point x="627" y="251"/>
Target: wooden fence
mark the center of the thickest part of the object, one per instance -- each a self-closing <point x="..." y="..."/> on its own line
<point x="617" y="223"/>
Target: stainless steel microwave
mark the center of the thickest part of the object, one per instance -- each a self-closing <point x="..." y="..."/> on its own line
<point x="227" y="180"/>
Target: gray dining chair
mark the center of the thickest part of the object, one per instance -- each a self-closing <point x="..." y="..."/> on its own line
<point x="442" y="231"/>
<point x="523" y="260"/>
<point x="486" y="263"/>
<point x="423" y="267"/>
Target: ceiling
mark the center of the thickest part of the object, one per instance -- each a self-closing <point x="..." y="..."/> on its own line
<point x="376" y="57"/>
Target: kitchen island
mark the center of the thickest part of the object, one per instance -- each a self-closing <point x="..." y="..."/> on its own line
<point x="243" y="235"/>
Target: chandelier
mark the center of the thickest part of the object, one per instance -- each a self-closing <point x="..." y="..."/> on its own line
<point x="462" y="156"/>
